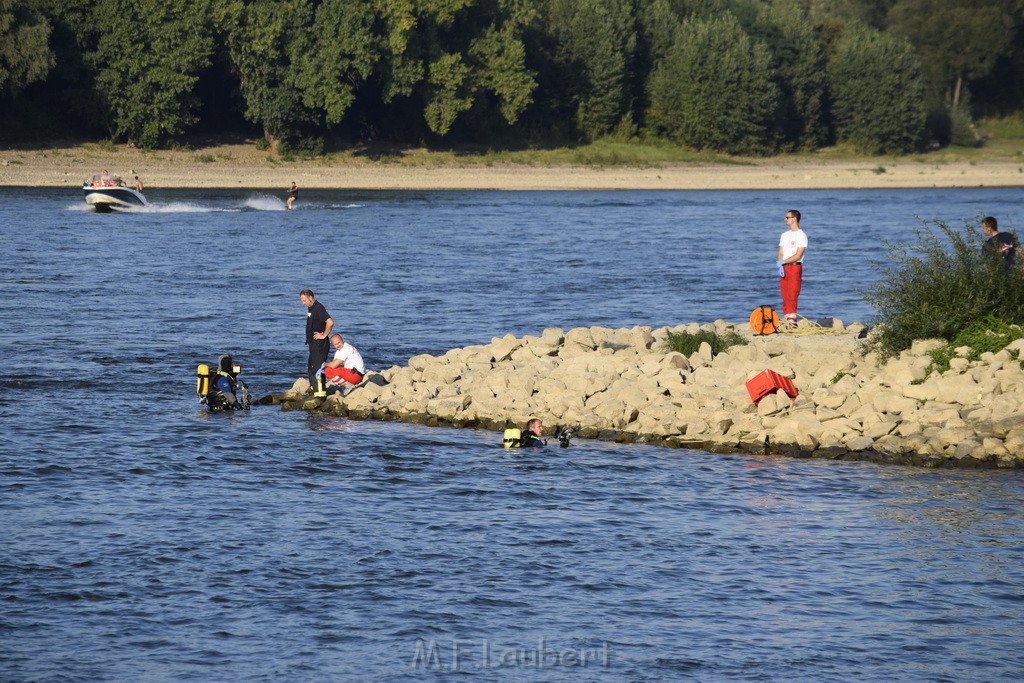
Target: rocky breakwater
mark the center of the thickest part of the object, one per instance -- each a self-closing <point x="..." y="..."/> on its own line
<point x="621" y="384"/>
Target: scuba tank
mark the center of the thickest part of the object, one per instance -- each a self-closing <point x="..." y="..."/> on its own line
<point x="511" y="438"/>
<point x="203" y="381"/>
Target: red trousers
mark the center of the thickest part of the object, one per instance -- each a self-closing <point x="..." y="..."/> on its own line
<point x="790" y="286"/>
<point x="339" y="375"/>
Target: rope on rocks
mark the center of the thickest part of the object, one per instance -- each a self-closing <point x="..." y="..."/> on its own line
<point x="807" y="326"/>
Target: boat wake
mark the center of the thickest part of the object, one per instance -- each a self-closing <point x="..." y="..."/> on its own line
<point x="265" y="203"/>
<point x="171" y="207"/>
<point x="271" y="203"/>
<point x="178" y="207"/>
<point x="253" y="203"/>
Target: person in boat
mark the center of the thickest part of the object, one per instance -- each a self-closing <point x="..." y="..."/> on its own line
<point x="293" y="194"/>
<point x="105" y="177"/>
<point x="531" y="437"/>
<point x="138" y="184"/>
<point x="223" y="394"/>
<point x="346" y="369"/>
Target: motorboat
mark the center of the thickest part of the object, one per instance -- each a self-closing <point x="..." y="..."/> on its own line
<point x="107" y="192"/>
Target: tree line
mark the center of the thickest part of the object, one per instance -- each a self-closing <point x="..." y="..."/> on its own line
<point x="734" y="76"/>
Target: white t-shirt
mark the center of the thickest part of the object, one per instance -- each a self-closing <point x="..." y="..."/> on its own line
<point x="350" y="358"/>
<point x="792" y="240"/>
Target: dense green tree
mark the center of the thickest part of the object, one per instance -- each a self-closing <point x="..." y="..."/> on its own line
<point x="511" y="69"/>
<point x="958" y="41"/>
<point x="69" y="90"/>
<point x="500" y="57"/>
<point x="715" y="89"/>
<point x="878" y="102"/>
<point x="704" y="9"/>
<point x="597" y="42"/>
<point x="147" y="61"/>
<point x="870" y="12"/>
<point x="474" y="55"/>
<point x="1001" y="92"/>
<point x="657" y="21"/>
<point x="450" y="91"/>
<point x="340" y="53"/>
<point x="401" y="67"/>
<point x="437" y="59"/>
<point x="303" y="66"/>
<point x="798" y="61"/>
<point x="25" y="54"/>
<point x="262" y="38"/>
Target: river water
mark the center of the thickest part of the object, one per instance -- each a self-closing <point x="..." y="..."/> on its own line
<point x="142" y="539"/>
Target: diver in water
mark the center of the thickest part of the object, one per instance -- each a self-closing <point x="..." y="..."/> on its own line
<point x="222" y="391"/>
<point x="531" y="437"/>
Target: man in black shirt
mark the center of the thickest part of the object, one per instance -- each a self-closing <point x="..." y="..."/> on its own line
<point x="318" y="333"/>
<point x="1002" y="243"/>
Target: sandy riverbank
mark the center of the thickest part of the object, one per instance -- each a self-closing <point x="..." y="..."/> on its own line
<point x="243" y="166"/>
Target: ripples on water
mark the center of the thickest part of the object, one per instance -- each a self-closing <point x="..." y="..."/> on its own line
<point x="145" y="540"/>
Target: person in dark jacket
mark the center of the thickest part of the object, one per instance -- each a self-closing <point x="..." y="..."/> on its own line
<point x="224" y="389"/>
<point x="1002" y="243"/>
<point x="531" y="437"/>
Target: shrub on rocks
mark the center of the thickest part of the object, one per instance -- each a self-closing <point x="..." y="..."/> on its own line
<point x="940" y="287"/>
<point x="970" y="344"/>
<point x="689" y="343"/>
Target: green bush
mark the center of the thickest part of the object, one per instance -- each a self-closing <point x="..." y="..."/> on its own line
<point x="962" y="131"/>
<point x="688" y="344"/>
<point x="301" y="147"/>
<point x="940" y="287"/>
<point x="986" y="336"/>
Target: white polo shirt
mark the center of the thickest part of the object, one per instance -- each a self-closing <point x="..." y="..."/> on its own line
<point x="790" y="241"/>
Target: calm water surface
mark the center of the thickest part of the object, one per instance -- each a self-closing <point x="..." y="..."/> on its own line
<point x="144" y="540"/>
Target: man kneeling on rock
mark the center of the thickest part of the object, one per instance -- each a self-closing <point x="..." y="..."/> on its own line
<point x="346" y="369"/>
